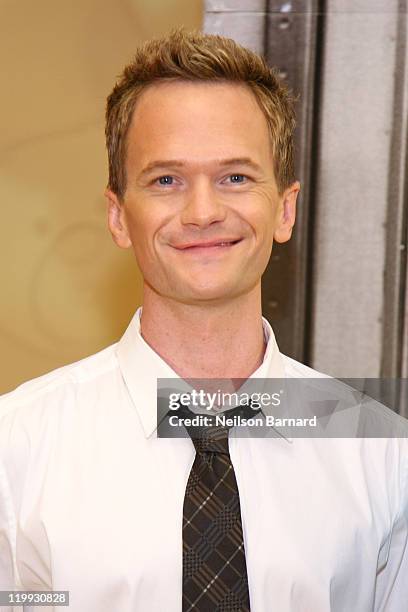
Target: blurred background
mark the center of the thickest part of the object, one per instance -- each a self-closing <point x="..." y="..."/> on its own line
<point x="336" y="295"/>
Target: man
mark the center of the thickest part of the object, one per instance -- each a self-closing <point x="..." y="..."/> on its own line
<point x="201" y="182"/>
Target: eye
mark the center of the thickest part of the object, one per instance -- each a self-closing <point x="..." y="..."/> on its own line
<point x="237" y="178"/>
<point x="165" y="180"/>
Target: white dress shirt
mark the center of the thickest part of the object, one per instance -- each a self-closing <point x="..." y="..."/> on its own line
<point x="91" y="500"/>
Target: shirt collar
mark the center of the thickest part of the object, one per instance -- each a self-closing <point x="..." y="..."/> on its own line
<point x="141" y="366"/>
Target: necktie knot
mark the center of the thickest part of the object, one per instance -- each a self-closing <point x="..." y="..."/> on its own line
<point x="214" y="438"/>
<point x="210" y="439"/>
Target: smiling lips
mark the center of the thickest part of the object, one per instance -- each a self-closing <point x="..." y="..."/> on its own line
<point x="220" y="243"/>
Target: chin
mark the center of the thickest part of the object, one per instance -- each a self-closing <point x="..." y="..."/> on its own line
<point x="207" y="293"/>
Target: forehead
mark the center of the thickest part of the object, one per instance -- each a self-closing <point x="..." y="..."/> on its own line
<point x="197" y="120"/>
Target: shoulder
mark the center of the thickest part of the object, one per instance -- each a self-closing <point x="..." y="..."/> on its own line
<point x="296" y="369"/>
<point x="52" y="412"/>
<point x="51" y="387"/>
<point x="382" y="432"/>
<point x="373" y="412"/>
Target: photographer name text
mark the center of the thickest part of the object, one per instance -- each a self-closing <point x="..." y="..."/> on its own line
<point x="202" y="420"/>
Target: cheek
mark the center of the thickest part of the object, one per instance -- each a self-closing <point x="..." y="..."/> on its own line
<point x="141" y="226"/>
<point x="262" y="221"/>
<point x="145" y="230"/>
<point x="263" y="228"/>
<point x="259" y="207"/>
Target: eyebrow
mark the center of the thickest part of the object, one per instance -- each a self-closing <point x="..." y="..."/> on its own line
<point x="178" y="163"/>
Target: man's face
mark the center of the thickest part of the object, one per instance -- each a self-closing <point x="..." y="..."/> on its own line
<point x="201" y="207"/>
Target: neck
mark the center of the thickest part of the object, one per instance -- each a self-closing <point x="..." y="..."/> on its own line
<point x="222" y="340"/>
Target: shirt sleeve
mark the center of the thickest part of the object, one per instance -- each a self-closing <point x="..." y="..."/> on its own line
<point x="392" y="580"/>
<point x="7" y="539"/>
<point x="8" y="561"/>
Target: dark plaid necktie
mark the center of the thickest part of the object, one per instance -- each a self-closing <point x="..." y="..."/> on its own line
<point x="214" y="567"/>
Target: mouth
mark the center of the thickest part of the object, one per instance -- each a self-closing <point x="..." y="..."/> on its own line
<point x="221" y="244"/>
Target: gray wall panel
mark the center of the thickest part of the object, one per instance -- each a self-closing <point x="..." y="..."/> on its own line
<point x="355" y="131"/>
<point x="395" y="338"/>
<point x="405" y="344"/>
<point x="243" y="20"/>
<point x="235" y="5"/>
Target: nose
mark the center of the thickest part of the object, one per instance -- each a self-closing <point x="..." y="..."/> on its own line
<point x="202" y="205"/>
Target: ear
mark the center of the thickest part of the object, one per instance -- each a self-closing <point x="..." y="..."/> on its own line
<point x="287" y="213"/>
<point x="117" y="220"/>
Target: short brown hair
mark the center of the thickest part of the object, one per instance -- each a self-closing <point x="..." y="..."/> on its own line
<point x="193" y="56"/>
